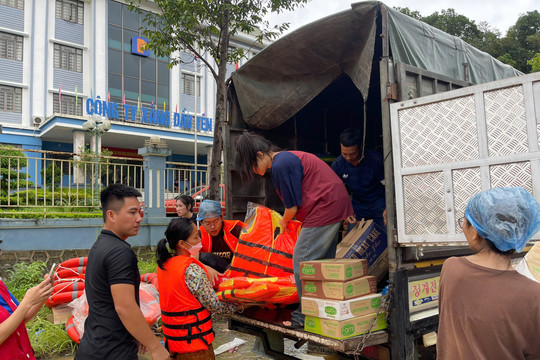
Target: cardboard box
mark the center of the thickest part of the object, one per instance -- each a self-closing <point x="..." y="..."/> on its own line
<point x="339" y="290"/>
<point x="343" y="329"/>
<point x="533" y="261"/>
<point x="367" y="241"/>
<point x="341" y="310"/>
<point x="333" y="269"/>
<point x="61" y="314"/>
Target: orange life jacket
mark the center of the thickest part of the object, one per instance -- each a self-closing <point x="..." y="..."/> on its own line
<point x="264" y="249"/>
<point x="230" y="240"/>
<point x="187" y="325"/>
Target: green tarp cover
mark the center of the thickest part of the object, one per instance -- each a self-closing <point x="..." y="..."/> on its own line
<point x="280" y="80"/>
<point x="419" y="44"/>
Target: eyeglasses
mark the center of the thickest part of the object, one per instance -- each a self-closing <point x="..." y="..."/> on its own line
<point x="214" y="223"/>
<point x="461" y="221"/>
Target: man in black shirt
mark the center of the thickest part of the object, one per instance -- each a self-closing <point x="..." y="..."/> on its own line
<point x="115" y="327"/>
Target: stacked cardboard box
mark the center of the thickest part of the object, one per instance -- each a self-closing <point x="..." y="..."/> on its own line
<point x="338" y="297"/>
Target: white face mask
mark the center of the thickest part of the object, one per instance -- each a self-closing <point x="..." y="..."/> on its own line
<point x="194" y="249"/>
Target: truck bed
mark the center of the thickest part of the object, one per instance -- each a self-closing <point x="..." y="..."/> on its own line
<point x="260" y="328"/>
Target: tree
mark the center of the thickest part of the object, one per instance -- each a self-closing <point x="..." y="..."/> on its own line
<point x="12" y="161"/>
<point x="412" y="13"/>
<point x="206" y="27"/>
<point x="535" y="63"/>
<point x="522" y="41"/>
<point x="454" y="24"/>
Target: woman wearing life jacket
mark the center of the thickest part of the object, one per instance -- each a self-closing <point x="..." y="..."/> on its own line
<point x="186" y="296"/>
<point x="184" y="207"/>
<point x="310" y="191"/>
<point x="14" y="342"/>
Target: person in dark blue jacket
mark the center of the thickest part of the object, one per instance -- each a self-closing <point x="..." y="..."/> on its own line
<point x="362" y="172"/>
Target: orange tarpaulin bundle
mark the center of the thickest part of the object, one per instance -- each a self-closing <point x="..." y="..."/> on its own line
<point x="244" y="283"/>
<point x="264" y="248"/>
<point x="254" y="294"/>
<point x="265" y="291"/>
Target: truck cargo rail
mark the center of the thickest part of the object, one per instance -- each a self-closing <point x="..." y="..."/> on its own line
<point x="272" y="336"/>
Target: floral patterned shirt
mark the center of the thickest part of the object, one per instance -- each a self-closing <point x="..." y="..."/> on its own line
<point x="199" y="285"/>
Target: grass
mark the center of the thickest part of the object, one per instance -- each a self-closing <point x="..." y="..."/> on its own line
<point x="47" y="339"/>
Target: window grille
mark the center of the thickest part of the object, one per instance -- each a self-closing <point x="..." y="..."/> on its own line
<point x="68" y="58"/>
<point x="10" y="99"/>
<point x="11" y="46"/>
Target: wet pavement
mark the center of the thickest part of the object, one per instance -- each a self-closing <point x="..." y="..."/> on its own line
<point x="245" y="351"/>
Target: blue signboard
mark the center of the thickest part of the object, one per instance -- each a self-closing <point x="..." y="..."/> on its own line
<point x="138" y="46"/>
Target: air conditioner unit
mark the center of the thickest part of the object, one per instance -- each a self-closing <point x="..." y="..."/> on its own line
<point x="37" y="120"/>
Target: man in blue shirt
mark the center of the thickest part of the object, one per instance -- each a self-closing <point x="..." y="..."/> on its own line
<point x="362" y="171"/>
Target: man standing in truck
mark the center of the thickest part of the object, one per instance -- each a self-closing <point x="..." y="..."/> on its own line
<point x="362" y="172"/>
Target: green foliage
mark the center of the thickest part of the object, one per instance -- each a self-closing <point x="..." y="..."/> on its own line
<point x="454" y="24"/>
<point x="59" y="197"/>
<point x="412" y="13"/>
<point x="52" y="174"/>
<point x="535" y="63"/>
<point x="507" y="59"/>
<point x="12" y="161"/>
<point x="88" y="163"/>
<point x="48" y="340"/>
<point x="50" y="213"/>
<point x="24" y="276"/>
<point x="522" y="41"/>
<point x="147" y="263"/>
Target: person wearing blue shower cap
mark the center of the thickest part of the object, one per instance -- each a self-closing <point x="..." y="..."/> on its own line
<point x="218" y="238"/>
<point x="487" y="310"/>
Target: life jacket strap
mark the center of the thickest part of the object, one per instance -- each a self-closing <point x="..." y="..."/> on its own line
<point x="186" y="326"/>
<point x="191" y="336"/>
<point x="182" y="313"/>
<point x="266" y="248"/>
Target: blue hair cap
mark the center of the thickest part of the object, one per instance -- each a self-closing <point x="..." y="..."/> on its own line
<point x="507" y="216"/>
<point x="209" y="209"/>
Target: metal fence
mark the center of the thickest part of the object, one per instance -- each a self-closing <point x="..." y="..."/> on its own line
<point x="48" y="183"/>
<point x="41" y="184"/>
<point x="185" y="178"/>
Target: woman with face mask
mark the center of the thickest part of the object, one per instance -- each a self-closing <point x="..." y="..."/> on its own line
<point x="186" y="296"/>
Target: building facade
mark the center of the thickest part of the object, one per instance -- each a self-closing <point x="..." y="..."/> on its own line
<point x="62" y="61"/>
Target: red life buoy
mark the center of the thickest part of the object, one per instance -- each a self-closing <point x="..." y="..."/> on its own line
<point x="150" y="278"/>
<point x="75" y="262"/>
<point x="72" y="331"/>
<point x="72" y="284"/>
<point x="63" y="298"/>
<point x="64" y="273"/>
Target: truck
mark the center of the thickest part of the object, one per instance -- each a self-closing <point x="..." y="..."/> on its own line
<point x="449" y="120"/>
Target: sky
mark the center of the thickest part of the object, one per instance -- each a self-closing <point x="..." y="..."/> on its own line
<point x="500" y="14"/>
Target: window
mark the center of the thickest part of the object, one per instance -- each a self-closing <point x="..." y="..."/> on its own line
<point x="11" y="46"/>
<point x="143" y="80"/>
<point x="70" y="10"/>
<point x="67" y="58"/>
<point x="18" y="4"/>
<point x="70" y="105"/>
<point x="10" y="99"/>
<point x="188" y="83"/>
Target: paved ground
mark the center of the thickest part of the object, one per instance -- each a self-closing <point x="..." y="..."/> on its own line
<point x="245" y="351"/>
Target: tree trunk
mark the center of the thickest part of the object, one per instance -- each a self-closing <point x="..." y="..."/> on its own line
<point x="221" y="108"/>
